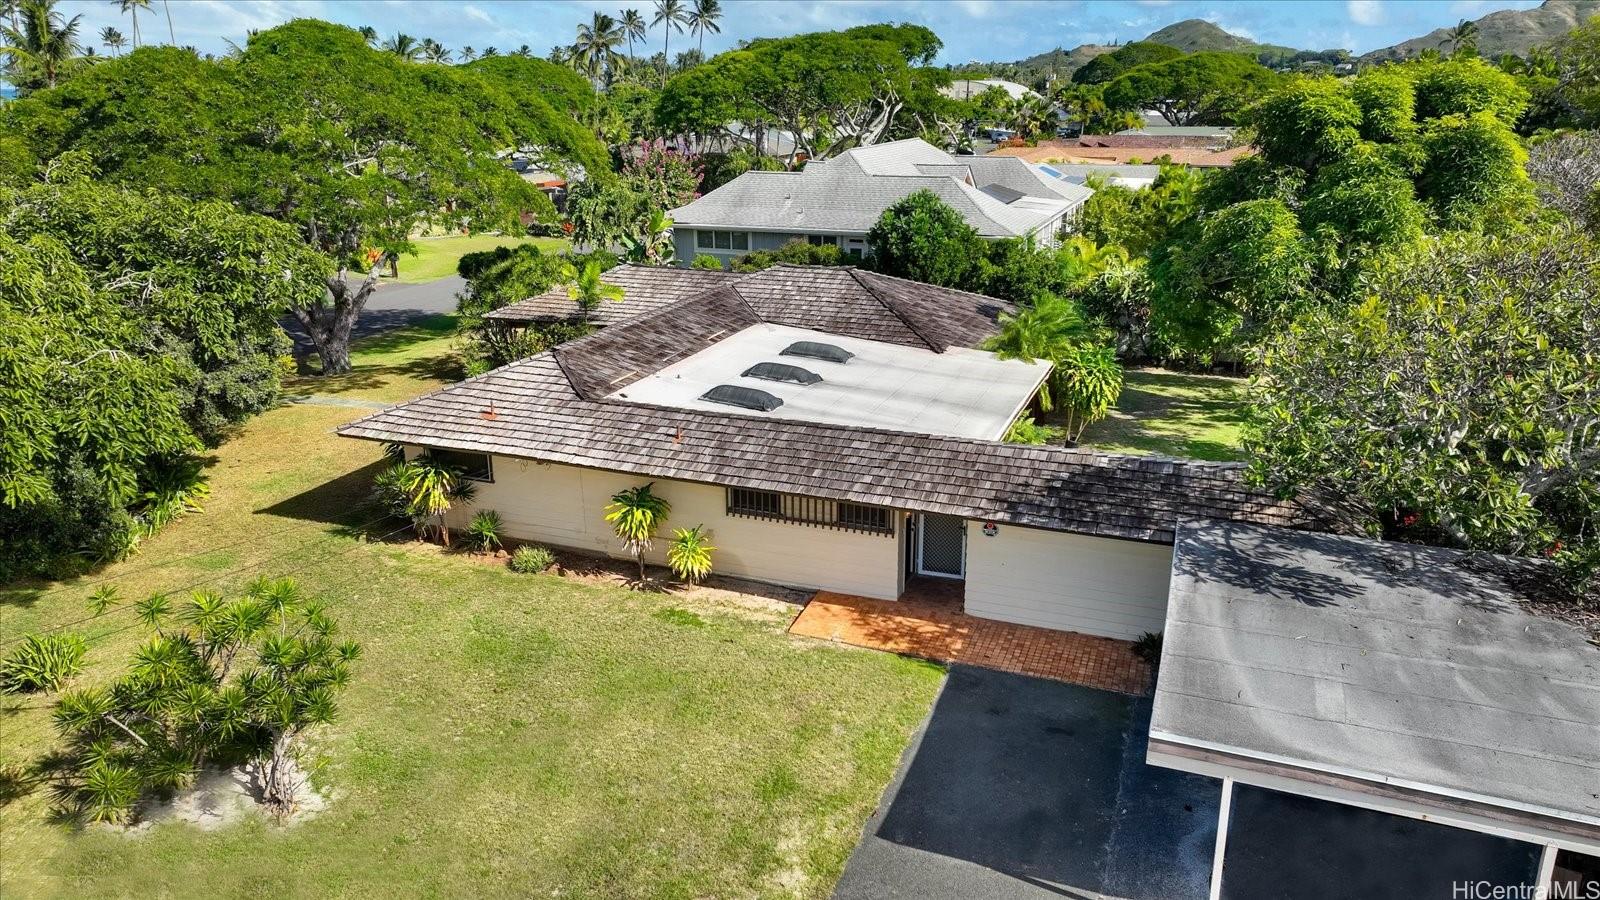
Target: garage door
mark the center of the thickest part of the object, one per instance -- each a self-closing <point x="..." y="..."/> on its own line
<point x="1068" y="582"/>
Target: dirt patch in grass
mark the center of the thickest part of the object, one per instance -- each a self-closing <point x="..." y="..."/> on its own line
<point x="223" y="797"/>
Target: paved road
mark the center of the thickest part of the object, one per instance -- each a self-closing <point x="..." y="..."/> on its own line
<point x="392" y="306"/>
<point x="1020" y="787"/>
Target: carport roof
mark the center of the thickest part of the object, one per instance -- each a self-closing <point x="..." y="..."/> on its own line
<point x="1411" y="673"/>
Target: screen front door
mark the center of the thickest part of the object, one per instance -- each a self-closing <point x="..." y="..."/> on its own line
<point x="942" y="546"/>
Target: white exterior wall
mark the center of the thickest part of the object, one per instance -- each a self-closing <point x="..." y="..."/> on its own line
<point x="565" y="506"/>
<point x="1069" y="582"/>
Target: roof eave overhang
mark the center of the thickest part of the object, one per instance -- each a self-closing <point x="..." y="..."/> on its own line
<point x="1459" y="809"/>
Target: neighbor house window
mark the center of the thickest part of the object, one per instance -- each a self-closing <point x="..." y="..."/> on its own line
<point x="722" y="240"/>
<point x="813" y="511"/>
<point x="473" y="466"/>
<point x="823" y="240"/>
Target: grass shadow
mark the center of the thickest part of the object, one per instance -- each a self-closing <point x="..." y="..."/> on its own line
<point x="344" y="501"/>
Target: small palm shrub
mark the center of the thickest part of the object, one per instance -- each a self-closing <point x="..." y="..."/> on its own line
<point x="1148" y="647"/>
<point x="42" y="662"/>
<point x="484" y="531"/>
<point x="422" y="490"/>
<point x="1027" y="431"/>
<point x="530" y="559"/>
<point x="635" y="514"/>
<point x="689" y="555"/>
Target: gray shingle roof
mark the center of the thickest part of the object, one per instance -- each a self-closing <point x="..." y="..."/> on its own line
<point x="645" y="289"/>
<point x="1393" y="665"/>
<point x="848" y="194"/>
<point x="552" y="408"/>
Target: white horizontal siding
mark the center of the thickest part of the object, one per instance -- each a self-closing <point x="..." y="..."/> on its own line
<point x="565" y="506"/>
<point x="1069" y="582"/>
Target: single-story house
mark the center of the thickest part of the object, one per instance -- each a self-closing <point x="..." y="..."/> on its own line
<point x="833" y="429"/>
<point x="1387" y="720"/>
<point x="837" y="201"/>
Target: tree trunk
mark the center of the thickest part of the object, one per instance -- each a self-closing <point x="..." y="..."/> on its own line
<point x="640" y="556"/>
<point x="329" y="324"/>
<point x="278" y="787"/>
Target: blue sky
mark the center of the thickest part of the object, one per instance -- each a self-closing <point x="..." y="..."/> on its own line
<point x="971" y="29"/>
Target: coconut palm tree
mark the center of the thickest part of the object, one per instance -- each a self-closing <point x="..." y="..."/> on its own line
<point x="559" y="55"/>
<point x="488" y="52"/>
<point x="12" y="9"/>
<point x="368" y="34"/>
<point x="1051" y="328"/>
<point x="132" y="7"/>
<point x="633" y="25"/>
<point x="435" y="52"/>
<point x="113" y="39"/>
<point x="703" y="18"/>
<point x="468" y="54"/>
<point x="1463" y="38"/>
<point x="635" y="514"/>
<point x="595" y="52"/>
<point x="44" y="50"/>
<point x="404" y="46"/>
<point x="672" y="16"/>
<point x="172" y="35"/>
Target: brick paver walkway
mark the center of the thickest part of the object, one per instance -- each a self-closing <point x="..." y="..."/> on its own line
<point x="941" y="632"/>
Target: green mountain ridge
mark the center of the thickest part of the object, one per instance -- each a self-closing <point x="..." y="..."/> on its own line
<point x="1507" y="31"/>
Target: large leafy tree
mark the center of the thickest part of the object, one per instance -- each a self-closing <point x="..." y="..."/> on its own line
<point x="831" y="90"/>
<point x="355" y="147"/>
<point x="1198" y="89"/>
<point x="139" y="328"/>
<point x="923" y="239"/>
<point x="1459" y="400"/>
<point x="1107" y="66"/>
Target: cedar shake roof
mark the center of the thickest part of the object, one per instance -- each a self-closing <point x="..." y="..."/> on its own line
<point x="530" y="410"/>
<point x="645" y="289"/>
<point x="553" y="408"/>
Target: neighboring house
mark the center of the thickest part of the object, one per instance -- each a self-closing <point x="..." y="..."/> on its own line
<point x="1387" y="720"/>
<point x="1220" y="135"/>
<point x="968" y="88"/>
<point x="1103" y="152"/>
<point x="833" y="429"/>
<point x="1128" y="176"/>
<point x="837" y="201"/>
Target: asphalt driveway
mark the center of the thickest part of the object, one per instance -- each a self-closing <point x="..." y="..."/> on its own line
<point x="1019" y="787"/>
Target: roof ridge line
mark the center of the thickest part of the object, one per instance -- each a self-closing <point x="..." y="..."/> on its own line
<point x="894" y="311"/>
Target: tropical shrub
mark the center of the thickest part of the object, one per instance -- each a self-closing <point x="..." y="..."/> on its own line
<point x="635" y="514"/>
<point x="923" y="239"/>
<point x="1027" y="431"/>
<point x="485" y="530"/>
<point x="1050" y="329"/>
<point x="423" y="490"/>
<point x="706" y="261"/>
<point x="1087" y="382"/>
<point x="531" y="559"/>
<point x="226" y="682"/>
<point x="794" y="253"/>
<point x="689" y="554"/>
<point x="42" y="662"/>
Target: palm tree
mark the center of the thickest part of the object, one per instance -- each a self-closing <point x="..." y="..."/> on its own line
<point x="468" y="54"/>
<point x="171" y="34"/>
<point x="523" y="51"/>
<point x="559" y="55"/>
<point x="671" y="15"/>
<point x="488" y="52"/>
<point x="44" y="50"/>
<point x="404" y="46"/>
<point x="369" y="34"/>
<point x="132" y="7"/>
<point x="633" y="26"/>
<point x="586" y="288"/>
<point x="595" y="51"/>
<point x="635" y="514"/>
<point x="703" y="18"/>
<point x="435" y="52"/>
<point x="1052" y="328"/>
<point x="113" y="39"/>
<point x="1463" y="38"/>
<point x="13" y="11"/>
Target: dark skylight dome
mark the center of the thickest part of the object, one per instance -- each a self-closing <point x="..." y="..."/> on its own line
<point x="742" y="397"/>
<point x="817" y="350"/>
<point x="772" y="371"/>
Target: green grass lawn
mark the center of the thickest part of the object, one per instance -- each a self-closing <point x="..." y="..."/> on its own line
<point x="1173" y="414"/>
<point x="504" y="735"/>
<point x="436" y="256"/>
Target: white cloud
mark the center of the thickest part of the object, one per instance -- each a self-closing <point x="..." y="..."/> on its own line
<point x="1365" y="12"/>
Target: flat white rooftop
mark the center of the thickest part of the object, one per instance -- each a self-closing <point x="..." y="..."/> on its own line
<point x="960" y="392"/>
